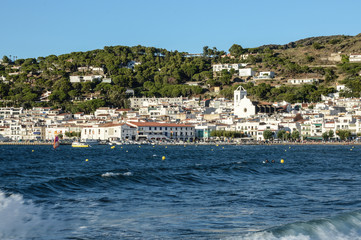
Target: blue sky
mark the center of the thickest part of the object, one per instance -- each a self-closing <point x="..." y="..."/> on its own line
<point x="44" y="27"/>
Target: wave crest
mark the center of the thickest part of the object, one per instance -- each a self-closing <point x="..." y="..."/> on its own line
<point x="20" y="219"/>
<point x="111" y="174"/>
<point x="343" y="227"/>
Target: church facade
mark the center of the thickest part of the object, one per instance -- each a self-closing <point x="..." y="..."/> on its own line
<point x="245" y="108"/>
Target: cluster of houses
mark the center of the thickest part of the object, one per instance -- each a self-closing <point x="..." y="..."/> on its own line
<point x="242" y="71"/>
<point x="183" y="119"/>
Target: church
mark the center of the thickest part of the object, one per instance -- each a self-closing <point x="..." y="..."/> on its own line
<point x="245" y="108"/>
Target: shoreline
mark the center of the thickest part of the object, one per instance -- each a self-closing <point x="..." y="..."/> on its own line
<point x="198" y="144"/>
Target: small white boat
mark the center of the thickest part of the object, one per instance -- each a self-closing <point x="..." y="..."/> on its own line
<point x="115" y="142"/>
<point x="79" y="144"/>
<point x="90" y="141"/>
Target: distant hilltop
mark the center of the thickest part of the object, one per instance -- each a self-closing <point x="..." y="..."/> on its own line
<point x="83" y="81"/>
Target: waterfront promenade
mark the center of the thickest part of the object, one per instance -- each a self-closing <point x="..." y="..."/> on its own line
<point x="200" y="143"/>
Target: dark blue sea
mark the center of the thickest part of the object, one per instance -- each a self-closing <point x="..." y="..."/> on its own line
<point x="197" y="192"/>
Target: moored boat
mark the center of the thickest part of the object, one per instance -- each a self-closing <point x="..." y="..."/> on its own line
<point x="79" y="144"/>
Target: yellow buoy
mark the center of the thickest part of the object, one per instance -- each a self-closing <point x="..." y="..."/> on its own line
<point x="121" y="147"/>
<point x="351" y="149"/>
<point x="86" y="160"/>
<point x="32" y="150"/>
<point x="112" y="147"/>
<point x="153" y="146"/>
<point x="217" y="145"/>
<point x="163" y="158"/>
<point x="126" y="151"/>
<point x="165" y="146"/>
<point x="285" y="150"/>
<point x="289" y="147"/>
<point x="139" y="146"/>
<point x="222" y="147"/>
<point x="282" y="161"/>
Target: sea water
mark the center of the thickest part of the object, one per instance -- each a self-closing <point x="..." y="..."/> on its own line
<point x="197" y="192"/>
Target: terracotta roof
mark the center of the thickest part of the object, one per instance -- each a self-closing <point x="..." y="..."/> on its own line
<point x="123" y="110"/>
<point x="155" y="124"/>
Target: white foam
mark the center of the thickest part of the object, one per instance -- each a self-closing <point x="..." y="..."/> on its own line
<point x="127" y="174"/>
<point x="111" y="174"/>
<point x="343" y="227"/>
<point x="269" y="236"/>
<point x="20" y="219"/>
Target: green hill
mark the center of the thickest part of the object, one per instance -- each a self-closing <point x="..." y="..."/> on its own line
<point x="158" y="72"/>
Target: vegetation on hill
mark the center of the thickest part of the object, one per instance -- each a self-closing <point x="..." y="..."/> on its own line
<point x="158" y="72"/>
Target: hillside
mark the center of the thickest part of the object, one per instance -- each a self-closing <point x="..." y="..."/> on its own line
<point x="83" y="81"/>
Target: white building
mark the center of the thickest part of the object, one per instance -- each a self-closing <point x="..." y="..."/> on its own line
<point x="3" y="79"/>
<point x="303" y="81"/>
<point x="341" y="87"/>
<point x="109" y="131"/>
<point x="355" y="58"/>
<point x="229" y="66"/>
<point x="107" y="80"/>
<point x="78" y="79"/>
<point x="274" y="128"/>
<point x="97" y="69"/>
<point x="145" y="102"/>
<point x="246" y="72"/>
<point x="159" y="131"/>
<point x="249" y="128"/>
<point x="265" y="75"/>
<point x="243" y="106"/>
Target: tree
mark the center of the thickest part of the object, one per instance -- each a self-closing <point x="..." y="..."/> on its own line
<point x="325" y="136"/>
<point x="287" y="135"/>
<point x="295" y="135"/>
<point x="205" y="51"/>
<point x="343" y="134"/>
<point x="267" y="134"/>
<point x="6" y="59"/>
<point x="280" y="134"/>
<point x="236" y="50"/>
<point x="331" y="134"/>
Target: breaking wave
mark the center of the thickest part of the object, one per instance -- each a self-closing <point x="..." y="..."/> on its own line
<point x="342" y="227"/>
<point x="20" y="219"/>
